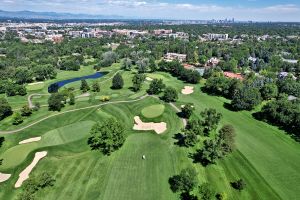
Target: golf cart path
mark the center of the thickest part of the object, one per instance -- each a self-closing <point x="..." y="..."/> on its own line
<point x="88" y="107"/>
<point x="68" y="111"/>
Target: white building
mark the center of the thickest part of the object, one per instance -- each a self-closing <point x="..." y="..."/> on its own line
<point x="175" y="56"/>
<point x="213" y="36"/>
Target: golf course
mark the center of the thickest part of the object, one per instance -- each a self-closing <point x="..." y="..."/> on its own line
<point x="266" y="158"/>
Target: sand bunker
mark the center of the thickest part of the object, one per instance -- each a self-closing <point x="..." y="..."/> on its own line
<point x="142" y="126"/>
<point x="36" y="83"/>
<point x="187" y="90"/>
<point x="24" y="175"/>
<point x="182" y="106"/>
<point x="35" y="139"/>
<point x="149" y="79"/>
<point x="4" y="177"/>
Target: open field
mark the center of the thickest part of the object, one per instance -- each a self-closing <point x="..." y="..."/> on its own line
<point x="266" y="158"/>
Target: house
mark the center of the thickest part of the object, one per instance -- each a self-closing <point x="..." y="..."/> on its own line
<point x="175" y="56"/>
<point x="252" y="59"/>
<point x="283" y="75"/>
<point x="212" y="61"/>
<point x="214" y="36"/>
<point x="233" y="75"/>
<point x="162" y="31"/>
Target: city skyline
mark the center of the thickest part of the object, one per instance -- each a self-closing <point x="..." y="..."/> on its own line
<point x="271" y="10"/>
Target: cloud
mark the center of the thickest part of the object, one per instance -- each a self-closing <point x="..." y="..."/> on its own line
<point x="160" y="9"/>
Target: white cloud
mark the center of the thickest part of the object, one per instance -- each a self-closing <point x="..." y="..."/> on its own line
<point x="159" y="9"/>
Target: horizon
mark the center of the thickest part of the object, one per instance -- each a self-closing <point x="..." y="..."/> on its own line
<point x="269" y="11"/>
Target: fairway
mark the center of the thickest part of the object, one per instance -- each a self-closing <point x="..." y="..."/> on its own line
<point x="153" y="111"/>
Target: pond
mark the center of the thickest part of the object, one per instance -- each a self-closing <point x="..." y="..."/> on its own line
<point x="55" y="86"/>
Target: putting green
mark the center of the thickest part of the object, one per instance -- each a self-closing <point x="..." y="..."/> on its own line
<point x="153" y="111"/>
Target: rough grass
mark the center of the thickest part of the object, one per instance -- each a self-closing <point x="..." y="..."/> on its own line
<point x="153" y="111"/>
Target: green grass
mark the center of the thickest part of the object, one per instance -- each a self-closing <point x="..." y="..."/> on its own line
<point x="153" y="111"/>
<point x="266" y="157"/>
<point x="67" y="134"/>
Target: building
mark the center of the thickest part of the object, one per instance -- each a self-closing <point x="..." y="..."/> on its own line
<point x="162" y="31"/>
<point x="233" y="75"/>
<point x="212" y="62"/>
<point x="213" y="36"/>
<point x="55" y="38"/>
<point x="175" y="56"/>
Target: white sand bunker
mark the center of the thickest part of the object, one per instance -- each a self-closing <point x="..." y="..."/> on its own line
<point x="36" y="83"/>
<point x="187" y="90"/>
<point x="35" y="139"/>
<point x="182" y="106"/>
<point x="149" y="79"/>
<point x="24" y="175"/>
<point x="142" y="126"/>
<point x="4" y="177"/>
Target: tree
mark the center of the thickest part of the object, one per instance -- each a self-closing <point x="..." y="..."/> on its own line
<point x="137" y="81"/>
<point x="209" y="153"/>
<point x="72" y="99"/>
<point x="108" y="58"/>
<point x="23" y="75"/>
<point x="117" y="82"/>
<point x="170" y="95"/>
<point x="26" y="111"/>
<point x="126" y="64"/>
<point x="17" y="119"/>
<point x="227" y="134"/>
<point x="211" y="119"/>
<point x="96" y="87"/>
<point x="152" y="65"/>
<point x="185" y="181"/>
<point x="246" y="98"/>
<point x="143" y="65"/>
<point x="190" y="138"/>
<point x="195" y="126"/>
<point x="239" y="184"/>
<point x="55" y="102"/>
<point x="206" y="192"/>
<point x="107" y="136"/>
<point x="187" y="110"/>
<point x="156" y="86"/>
<point x="5" y="109"/>
<point x="21" y="90"/>
<point x="269" y="91"/>
<point x="36" y="106"/>
<point x="2" y="139"/>
<point x="84" y="86"/>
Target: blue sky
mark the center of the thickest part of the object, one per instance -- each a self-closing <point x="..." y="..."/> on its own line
<point x="258" y="10"/>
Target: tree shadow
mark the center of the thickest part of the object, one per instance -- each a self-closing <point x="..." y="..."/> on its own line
<point x="179" y="137"/>
<point x="292" y="132"/>
<point x="196" y="157"/>
<point x="228" y="106"/>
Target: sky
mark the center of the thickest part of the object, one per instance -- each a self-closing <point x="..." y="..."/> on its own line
<point x="256" y="10"/>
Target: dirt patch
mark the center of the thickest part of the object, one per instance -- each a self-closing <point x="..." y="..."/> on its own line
<point x="24" y="175"/>
<point x="35" y="139"/>
<point x="84" y="95"/>
<point x="4" y="177"/>
<point x="187" y="90"/>
<point x="159" y="128"/>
